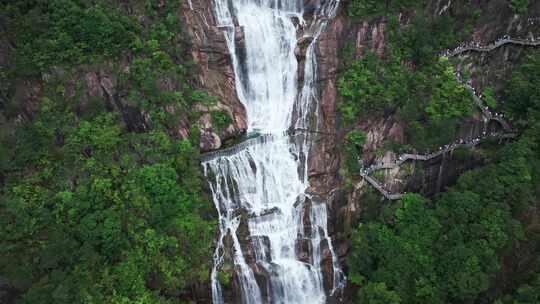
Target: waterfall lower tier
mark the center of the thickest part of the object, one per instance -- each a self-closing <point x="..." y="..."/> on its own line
<point x="272" y="234"/>
<point x="251" y="188"/>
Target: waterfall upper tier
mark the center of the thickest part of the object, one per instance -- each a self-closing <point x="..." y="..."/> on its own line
<point x="266" y="65"/>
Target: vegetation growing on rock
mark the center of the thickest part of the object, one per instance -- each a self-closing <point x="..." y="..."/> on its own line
<point x="456" y="247"/>
<point x="371" y="8"/>
<point x="410" y="80"/>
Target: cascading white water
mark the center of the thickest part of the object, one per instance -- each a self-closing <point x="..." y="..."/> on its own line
<point x="267" y="77"/>
<point x="263" y="184"/>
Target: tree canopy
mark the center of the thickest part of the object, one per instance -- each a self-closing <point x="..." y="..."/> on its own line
<point x="95" y="208"/>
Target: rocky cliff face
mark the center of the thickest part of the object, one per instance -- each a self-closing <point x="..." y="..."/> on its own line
<point x="216" y="75"/>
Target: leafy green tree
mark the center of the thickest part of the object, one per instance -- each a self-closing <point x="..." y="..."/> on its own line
<point x="220" y="120"/>
<point x="372" y="8"/>
<point x="489" y="98"/>
<point x="519" y="6"/>
<point x="66" y="32"/>
<point x="430" y="100"/>
<point x="369" y="85"/>
<point x="377" y="293"/>
<point x="449" y="99"/>
<point x="410" y="80"/>
<point x="353" y="148"/>
<point x="521" y="97"/>
<point x="355" y="138"/>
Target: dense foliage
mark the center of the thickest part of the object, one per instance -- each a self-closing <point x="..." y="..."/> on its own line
<point x="67" y="31"/>
<point x="370" y="8"/>
<point x="528" y="293"/>
<point x="353" y="148"/>
<point x="95" y="206"/>
<point x="104" y="206"/>
<point x="521" y="100"/>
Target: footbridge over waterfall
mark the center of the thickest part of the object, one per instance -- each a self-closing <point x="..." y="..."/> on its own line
<point x="255" y="139"/>
<point x="260" y="139"/>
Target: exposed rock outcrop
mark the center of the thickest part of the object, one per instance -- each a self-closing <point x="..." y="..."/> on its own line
<point x="323" y="163"/>
<point x="216" y="74"/>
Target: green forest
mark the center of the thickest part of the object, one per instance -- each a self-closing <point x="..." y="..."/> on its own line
<point x="99" y="204"/>
<point x="459" y="246"/>
<point x="94" y="208"/>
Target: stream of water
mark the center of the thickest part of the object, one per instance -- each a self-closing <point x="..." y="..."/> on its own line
<point x="262" y="184"/>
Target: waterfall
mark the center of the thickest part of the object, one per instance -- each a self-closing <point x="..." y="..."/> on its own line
<point x="259" y="187"/>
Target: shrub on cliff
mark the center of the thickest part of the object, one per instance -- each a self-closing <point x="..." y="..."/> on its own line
<point x="519" y="6"/>
<point x="353" y="148"/>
